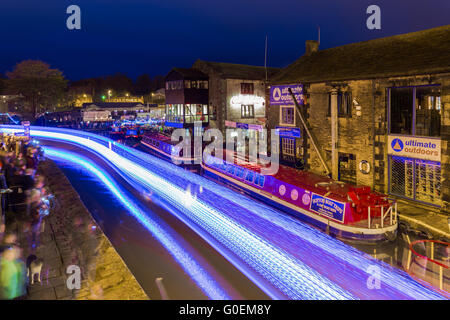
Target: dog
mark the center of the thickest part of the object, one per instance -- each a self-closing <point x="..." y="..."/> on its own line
<point x="34" y="266"/>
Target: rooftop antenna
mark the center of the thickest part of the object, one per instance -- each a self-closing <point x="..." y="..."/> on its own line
<point x="265" y="58"/>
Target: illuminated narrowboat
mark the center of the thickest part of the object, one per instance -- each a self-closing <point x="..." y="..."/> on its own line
<point x="162" y="146"/>
<point x="341" y="209"/>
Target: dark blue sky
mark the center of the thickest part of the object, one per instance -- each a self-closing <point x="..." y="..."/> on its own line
<point x="151" y="36"/>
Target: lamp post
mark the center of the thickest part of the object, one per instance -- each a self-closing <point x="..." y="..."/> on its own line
<point x="109" y="95"/>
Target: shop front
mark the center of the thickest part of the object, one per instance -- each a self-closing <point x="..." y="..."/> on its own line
<point x="415" y="168"/>
<point x="414" y="143"/>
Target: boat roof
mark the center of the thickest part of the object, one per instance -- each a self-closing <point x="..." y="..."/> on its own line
<point x="304" y="179"/>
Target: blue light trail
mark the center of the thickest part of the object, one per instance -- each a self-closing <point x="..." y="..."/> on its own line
<point x="285" y="252"/>
<point x="201" y="277"/>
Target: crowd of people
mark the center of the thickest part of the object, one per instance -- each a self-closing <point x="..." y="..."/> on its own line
<point x="24" y="205"/>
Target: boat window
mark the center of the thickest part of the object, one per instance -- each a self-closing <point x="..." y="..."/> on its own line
<point x="259" y="180"/>
<point x="249" y="176"/>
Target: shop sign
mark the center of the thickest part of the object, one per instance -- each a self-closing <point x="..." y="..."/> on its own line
<point x="230" y="124"/>
<point x="415" y="147"/>
<point x="288" y="132"/>
<point x="279" y="95"/>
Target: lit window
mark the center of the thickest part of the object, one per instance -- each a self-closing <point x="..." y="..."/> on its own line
<point x="247" y="111"/>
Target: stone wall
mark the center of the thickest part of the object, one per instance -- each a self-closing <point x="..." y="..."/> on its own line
<point x="364" y="132"/>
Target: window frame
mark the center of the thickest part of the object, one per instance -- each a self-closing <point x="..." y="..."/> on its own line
<point x="281" y="122"/>
<point x="250" y="88"/>
<point x="252" y="116"/>
<point x="342" y="96"/>
<point x="413" y="117"/>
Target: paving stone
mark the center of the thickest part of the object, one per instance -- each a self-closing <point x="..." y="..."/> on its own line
<point x="62" y="292"/>
<point x="47" y="294"/>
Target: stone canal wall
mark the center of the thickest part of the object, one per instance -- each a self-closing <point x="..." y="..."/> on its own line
<point x="72" y="238"/>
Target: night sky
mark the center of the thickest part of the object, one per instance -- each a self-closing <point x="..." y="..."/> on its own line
<point x="147" y="36"/>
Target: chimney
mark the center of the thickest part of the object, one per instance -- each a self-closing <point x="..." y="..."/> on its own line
<point x="311" y="46"/>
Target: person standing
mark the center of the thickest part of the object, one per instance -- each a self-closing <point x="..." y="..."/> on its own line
<point x="12" y="275"/>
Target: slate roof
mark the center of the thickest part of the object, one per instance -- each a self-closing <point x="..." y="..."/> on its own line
<point x="190" y="73"/>
<point x="421" y="52"/>
<point x="237" y="71"/>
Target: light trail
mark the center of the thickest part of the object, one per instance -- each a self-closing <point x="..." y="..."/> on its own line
<point x="258" y="234"/>
<point x="201" y="277"/>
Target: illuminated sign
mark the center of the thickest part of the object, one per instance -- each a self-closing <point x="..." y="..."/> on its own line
<point x="238" y="125"/>
<point x="413" y="147"/>
<point x="288" y="132"/>
<point x="230" y="124"/>
<point x="327" y="207"/>
<point x="279" y="95"/>
<point x="247" y="99"/>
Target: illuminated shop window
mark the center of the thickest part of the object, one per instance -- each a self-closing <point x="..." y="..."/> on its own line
<point x="247" y="111"/>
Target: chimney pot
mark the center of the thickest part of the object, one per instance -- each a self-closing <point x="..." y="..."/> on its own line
<point x="311" y="46"/>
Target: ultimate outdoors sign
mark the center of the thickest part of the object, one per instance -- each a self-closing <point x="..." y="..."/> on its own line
<point x="412" y="147"/>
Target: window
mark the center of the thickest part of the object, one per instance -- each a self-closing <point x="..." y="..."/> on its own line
<point x="288" y="146"/>
<point x="347" y="167"/>
<point x="415" y="111"/>
<point x="203" y="84"/>
<point x="401" y="110"/>
<point x="187" y="84"/>
<point x="428" y="111"/>
<point x="247" y="111"/>
<point x="287" y="116"/>
<point x="247" y="88"/>
<point x="344" y="102"/>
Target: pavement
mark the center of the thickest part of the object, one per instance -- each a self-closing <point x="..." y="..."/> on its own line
<point x="425" y="218"/>
<point x="71" y="237"/>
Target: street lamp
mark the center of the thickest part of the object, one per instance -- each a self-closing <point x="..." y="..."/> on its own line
<point x="109" y="95"/>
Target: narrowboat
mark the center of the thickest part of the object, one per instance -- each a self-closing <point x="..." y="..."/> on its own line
<point x="340" y="209"/>
<point x="161" y="145"/>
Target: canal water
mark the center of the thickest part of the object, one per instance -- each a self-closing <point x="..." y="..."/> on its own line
<point x="396" y="253"/>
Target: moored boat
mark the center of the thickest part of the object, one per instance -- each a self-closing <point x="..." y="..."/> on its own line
<point x="344" y="210"/>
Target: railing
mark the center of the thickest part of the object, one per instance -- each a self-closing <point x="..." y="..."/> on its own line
<point x="436" y="269"/>
<point x="391" y="211"/>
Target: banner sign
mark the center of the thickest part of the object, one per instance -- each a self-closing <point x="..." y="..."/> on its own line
<point x="242" y="125"/>
<point x="327" y="207"/>
<point x="279" y="95"/>
<point x="230" y="124"/>
<point x="257" y="127"/>
<point x="288" y="132"/>
<point x="413" y="147"/>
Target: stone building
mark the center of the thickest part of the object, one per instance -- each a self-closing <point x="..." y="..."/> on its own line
<point x="379" y="112"/>
<point x="236" y="94"/>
